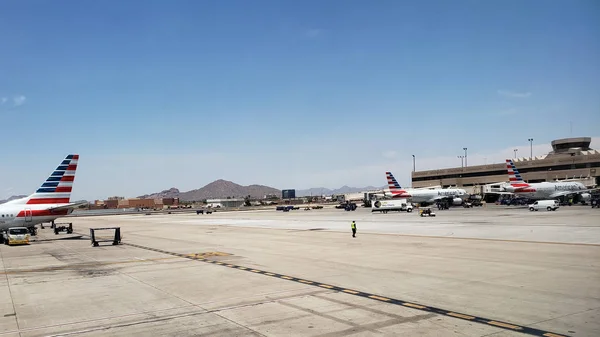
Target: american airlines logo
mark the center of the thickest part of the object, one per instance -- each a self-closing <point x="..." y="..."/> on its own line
<point x="566" y="187"/>
<point x="446" y="193"/>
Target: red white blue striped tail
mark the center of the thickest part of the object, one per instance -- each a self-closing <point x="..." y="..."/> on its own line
<point x="57" y="188"/>
<point x="392" y="182"/>
<point x="514" y="176"/>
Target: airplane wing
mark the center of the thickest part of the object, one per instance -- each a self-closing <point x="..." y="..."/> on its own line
<point x="563" y="193"/>
<point x="68" y="206"/>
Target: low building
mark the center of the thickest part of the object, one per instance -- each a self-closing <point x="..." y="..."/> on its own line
<point x="288" y="194"/>
<point x="112" y="203"/>
<point x="225" y="202"/>
<point x="570" y="158"/>
<point x="170" y="201"/>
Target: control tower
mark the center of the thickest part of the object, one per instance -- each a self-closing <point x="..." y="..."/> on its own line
<point x="570" y="146"/>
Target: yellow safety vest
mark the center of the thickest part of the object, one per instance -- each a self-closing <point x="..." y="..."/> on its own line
<point x="353" y="225"/>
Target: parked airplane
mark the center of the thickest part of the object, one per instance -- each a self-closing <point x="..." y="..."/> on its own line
<point x="425" y="196"/>
<point x="49" y="202"/>
<point x="543" y="190"/>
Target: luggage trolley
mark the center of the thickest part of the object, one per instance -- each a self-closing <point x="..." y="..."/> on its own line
<point x="115" y="240"/>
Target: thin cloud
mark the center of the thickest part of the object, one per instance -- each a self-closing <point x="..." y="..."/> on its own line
<point x="513" y="94"/>
<point x="3" y="100"/>
<point x="510" y="111"/>
<point x="313" y="33"/>
<point x="390" y="154"/>
<point x="19" y="100"/>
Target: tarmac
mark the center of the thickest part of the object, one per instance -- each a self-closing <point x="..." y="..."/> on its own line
<point x="495" y="271"/>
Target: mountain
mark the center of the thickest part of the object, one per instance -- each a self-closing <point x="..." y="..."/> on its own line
<point x="12" y="198"/>
<point x="217" y="189"/>
<point x="223" y="189"/>
<point x="341" y="190"/>
<point x="170" y="193"/>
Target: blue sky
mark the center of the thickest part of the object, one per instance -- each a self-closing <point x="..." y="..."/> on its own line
<point x="292" y="94"/>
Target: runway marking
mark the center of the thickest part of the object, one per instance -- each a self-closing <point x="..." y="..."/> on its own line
<point x="415" y="306"/>
<point x="460" y="315"/>
<point x="200" y="255"/>
<point x="505" y="325"/>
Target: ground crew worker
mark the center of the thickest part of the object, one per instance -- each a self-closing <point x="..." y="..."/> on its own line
<point x="353" y="225"/>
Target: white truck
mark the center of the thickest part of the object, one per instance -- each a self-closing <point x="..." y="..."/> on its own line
<point x="384" y="206"/>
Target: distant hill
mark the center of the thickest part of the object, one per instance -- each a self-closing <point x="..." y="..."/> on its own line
<point x="341" y="190"/>
<point x="223" y="189"/>
<point x="12" y="198"/>
<point x="217" y="189"/>
<point x="170" y="193"/>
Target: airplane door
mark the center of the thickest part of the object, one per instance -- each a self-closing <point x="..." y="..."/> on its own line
<point x="28" y="215"/>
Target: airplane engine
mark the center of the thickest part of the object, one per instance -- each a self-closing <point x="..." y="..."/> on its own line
<point x="457" y="201"/>
<point x="585" y="197"/>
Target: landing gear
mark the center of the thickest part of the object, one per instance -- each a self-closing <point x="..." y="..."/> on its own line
<point x="32" y="231"/>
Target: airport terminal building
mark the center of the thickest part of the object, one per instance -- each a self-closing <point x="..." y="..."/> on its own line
<point x="571" y="158"/>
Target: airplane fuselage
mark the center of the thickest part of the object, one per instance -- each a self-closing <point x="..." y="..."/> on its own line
<point x="14" y="214"/>
<point x="419" y="195"/>
<point x="544" y="190"/>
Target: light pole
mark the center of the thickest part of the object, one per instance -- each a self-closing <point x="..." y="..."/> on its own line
<point x="515" y="150"/>
<point x="462" y="161"/>
<point x="414" y="166"/>
<point x="530" y="148"/>
<point x="464" y="148"/>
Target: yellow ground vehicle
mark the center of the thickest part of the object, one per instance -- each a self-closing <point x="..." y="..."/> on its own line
<point x="426" y="211"/>
<point x="16" y="236"/>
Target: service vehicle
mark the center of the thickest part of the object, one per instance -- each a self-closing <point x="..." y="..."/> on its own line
<point x="426" y="211"/>
<point x="549" y="205"/>
<point x="398" y="205"/>
<point x="16" y="236"/>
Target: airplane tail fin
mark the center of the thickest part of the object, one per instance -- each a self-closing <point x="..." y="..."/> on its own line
<point x="57" y="188"/>
<point x="392" y="182"/>
<point x="514" y="177"/>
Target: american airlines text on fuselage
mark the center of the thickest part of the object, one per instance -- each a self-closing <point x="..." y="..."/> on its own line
<point x="567" y="187"/>
<point x="447" y="193"/>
